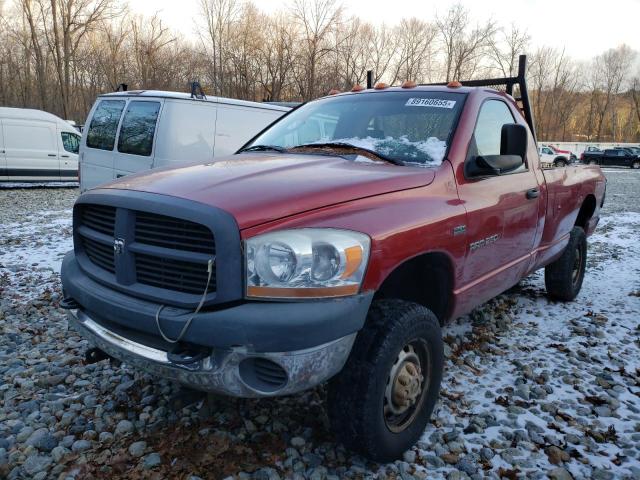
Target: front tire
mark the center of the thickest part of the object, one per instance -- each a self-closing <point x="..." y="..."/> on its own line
<point x="636" y="164"/>
<point x="381" y="401"/>
<point x="563" y="278"/>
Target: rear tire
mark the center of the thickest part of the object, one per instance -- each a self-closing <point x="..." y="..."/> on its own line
<point x="636" y="165"/>
<point x="563" y="278"/>
<point x="380" y="403"/>
<point x="593" y="162"/>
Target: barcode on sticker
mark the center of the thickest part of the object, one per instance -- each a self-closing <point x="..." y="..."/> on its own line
<point x="430" y="102"/>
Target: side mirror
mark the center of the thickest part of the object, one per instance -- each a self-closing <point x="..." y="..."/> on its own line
<point x="484" y="165"/>
<point x="513" y="150"/>
<point x="513" y="140"/>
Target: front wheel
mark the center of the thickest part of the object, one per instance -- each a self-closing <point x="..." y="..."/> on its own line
<point x="380" y="403"/>
<point x="563" y="278"/>
<point x="592" y="162"/>
<point x="636" y="165"/>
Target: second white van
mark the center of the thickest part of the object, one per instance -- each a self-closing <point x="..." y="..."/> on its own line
<point x="128" y="132"/>
<point x="37" y="146"/>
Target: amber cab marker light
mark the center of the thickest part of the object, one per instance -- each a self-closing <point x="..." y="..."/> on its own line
<point x="454" y="84"/>
<point x="357" y="88"/>
<point x="409" y="84"/>
<point x="381" y="86"/>
<point x="334" y="91"/>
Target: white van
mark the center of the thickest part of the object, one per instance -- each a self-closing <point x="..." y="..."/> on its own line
<point x="37" y="146"/>
<point x="127" y="132"/>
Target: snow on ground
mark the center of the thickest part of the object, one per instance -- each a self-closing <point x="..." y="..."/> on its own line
<point x="532" y="388"/>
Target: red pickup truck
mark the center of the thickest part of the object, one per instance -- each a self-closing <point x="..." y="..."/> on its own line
<point x="332" y="247"/>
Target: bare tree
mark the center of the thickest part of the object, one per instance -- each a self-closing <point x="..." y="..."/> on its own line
<point x="415" y="50"/>
<point x="218" y="16"/>
<point x="463" y="47"/>
<point x="610" y="71"/>
<point x="506" y="47"/>
<point x="316" y="18"/>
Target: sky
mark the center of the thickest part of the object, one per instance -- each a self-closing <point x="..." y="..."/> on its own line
<point x="583" y="28"/>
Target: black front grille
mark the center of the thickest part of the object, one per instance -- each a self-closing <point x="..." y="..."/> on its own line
<point x="169" y="232"/>
<point x="100" y="218"/>
<point x="175" y="275"/>
<point x="143" y="232"/>
<point x="100" y="254"/>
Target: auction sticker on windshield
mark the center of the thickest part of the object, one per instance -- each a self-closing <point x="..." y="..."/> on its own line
<point x="430" y="102"/>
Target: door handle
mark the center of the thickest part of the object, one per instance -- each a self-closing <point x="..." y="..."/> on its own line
<point x="64" y="156"/>
<point x="533" y="193"/>
<point x="52" y="154"/>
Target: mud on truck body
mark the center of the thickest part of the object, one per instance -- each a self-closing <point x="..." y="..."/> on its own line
<point x="331" y="248"/>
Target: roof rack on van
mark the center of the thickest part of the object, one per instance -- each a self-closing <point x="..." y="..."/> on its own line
<point x="509" y="82"/>
<point x="197" y="92"/>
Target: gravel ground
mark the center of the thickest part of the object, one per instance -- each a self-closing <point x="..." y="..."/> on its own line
<point x="532" y="388"/>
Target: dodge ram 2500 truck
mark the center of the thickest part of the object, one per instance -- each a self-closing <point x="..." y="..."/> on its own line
<point x="331" y="248"/>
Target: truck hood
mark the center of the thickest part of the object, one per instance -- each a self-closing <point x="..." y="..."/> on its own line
<point x="258" y="187"/>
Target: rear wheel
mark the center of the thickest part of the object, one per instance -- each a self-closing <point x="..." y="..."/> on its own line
<point x="636" y="164"/>
<point x="380" y="403"/>
<point x="563" y="278"/>
<point x="592" y="162"/>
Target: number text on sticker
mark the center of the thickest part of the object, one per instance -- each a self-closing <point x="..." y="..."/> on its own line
<point x="430" y="102"/>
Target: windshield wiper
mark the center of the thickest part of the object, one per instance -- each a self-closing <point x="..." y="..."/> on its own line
<point x="348" y="145"/>
<point x="264" y="148"/>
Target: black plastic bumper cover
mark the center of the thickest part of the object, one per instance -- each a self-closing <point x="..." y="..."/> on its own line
<point x="260" y="326"/>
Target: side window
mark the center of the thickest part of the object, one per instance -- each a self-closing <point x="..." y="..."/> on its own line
<point x="138" y="127"/>
<point x="493" y="115"/>
<point x="70" y="142"/>
<point x="104" y="124"/>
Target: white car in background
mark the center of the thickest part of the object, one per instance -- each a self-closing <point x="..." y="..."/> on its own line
<point x="131" y="131"/>
<point x="549" y="156"/>
<point x="37" y="146"/>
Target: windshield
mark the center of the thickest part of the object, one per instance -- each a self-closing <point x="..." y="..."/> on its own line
<point x="412" y="127"/>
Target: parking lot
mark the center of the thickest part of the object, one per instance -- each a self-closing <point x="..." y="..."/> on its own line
<point x="532" y="388"/>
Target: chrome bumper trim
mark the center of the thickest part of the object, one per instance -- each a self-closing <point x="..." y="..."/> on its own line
<point x="220" y="371"/>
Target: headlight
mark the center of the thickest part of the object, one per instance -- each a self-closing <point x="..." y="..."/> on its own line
<point x="309" y="262"/>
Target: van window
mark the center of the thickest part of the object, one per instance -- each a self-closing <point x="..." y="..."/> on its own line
<point x="70" y="142"/>
<point x="104" y="124"/>
<point x="29" y="137"/>
<point x="138" y="127"/>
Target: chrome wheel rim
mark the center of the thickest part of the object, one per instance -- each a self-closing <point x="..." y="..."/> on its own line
<point x="407" y="383"/>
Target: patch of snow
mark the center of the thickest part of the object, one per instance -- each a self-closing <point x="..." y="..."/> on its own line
<point x="426" y="153"/>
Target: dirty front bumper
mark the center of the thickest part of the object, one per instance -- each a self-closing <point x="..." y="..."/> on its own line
<point x="231" y="372"/>
<point x="248" y="349"/>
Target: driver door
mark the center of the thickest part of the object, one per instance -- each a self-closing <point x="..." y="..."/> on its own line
<point x="502" y="212"/>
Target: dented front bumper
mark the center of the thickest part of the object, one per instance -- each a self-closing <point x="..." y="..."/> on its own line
<point x="237" y="371"/>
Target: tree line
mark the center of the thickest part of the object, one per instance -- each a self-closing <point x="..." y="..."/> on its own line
<point x="58" y="55"/>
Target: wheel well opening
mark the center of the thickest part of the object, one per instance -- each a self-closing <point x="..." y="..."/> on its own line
<point x="586" y="211"/>
<point x="426" y="280"/>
